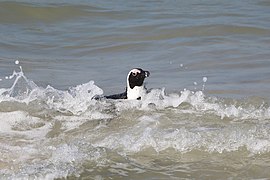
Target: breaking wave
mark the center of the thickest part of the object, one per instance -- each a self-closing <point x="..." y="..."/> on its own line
<point x="51" y="133"/>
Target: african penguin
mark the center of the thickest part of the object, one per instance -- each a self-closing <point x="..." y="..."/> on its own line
<point x="135" y="87"/>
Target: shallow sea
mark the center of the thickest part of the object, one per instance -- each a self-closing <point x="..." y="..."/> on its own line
<point x="207" y="115"/>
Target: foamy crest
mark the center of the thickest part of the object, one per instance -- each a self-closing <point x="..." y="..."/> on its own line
<point x="79" y="99"/>
<point x="76" y="101"/>
<point x="21" y="88"/>
<point x="200" y="103"/>
<point x="150" y="134"/>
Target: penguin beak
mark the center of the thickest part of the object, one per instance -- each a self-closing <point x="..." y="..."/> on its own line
<point x="146" y="73"/>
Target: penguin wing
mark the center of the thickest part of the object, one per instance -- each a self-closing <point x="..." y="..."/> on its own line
<point x="117" y="96"/>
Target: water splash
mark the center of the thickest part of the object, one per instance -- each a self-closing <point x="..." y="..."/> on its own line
<point x="45" y="123"/>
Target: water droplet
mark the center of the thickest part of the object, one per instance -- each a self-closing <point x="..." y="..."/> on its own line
<point x="17" y="62"/>
<point x="204" y="79"/>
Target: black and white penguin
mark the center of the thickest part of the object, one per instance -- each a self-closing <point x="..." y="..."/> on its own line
<point x="135" y="85"/>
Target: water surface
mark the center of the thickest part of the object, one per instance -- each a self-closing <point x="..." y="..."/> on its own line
<point x="207" y="116"/>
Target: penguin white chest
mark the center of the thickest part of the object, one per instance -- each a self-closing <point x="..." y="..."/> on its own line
<point x="136" y="93"/>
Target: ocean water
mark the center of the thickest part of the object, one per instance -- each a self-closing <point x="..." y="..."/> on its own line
<point x="207" y="115"/>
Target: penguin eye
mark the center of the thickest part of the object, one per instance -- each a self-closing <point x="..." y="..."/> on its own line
<point x="134" y="74"/>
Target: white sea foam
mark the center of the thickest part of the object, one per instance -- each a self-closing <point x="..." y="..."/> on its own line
<point x="77" y="100"/>
<point x="21" y="123"/>
<point x="61" y="160"/>
<point x="46" y="125"/>
<point x="149" y="135"/>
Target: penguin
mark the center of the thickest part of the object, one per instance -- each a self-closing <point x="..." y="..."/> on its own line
<point x="135" y="88"/>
